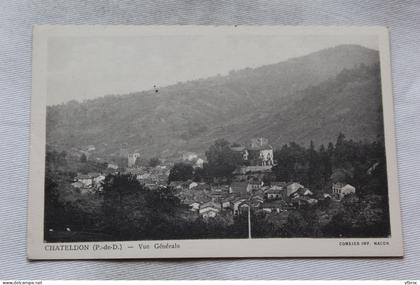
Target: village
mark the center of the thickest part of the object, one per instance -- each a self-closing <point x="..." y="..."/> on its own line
<point x="246" y="191"/>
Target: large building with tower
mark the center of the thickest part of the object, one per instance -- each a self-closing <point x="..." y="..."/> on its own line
<point x="257" y="153"/>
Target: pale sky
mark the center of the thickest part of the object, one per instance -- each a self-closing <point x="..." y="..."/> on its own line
<point x="81" y="68"/>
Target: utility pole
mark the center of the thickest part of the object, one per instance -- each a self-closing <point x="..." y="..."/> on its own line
<point x="249" y="213"/>
<point x="249" y="220"/>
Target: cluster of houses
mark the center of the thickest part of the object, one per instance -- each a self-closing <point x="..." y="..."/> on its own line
<point x="151" y="177"/>
<point x="246" y="191"/>
<point x="89" y="183"/>
<point x="193" y="158"/>
<point x="241" y="196"/>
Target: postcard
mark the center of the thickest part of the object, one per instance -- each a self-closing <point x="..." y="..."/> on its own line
<point x="212" y="142"/>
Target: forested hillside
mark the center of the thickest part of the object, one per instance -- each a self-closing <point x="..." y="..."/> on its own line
<point x="308" y="98"/>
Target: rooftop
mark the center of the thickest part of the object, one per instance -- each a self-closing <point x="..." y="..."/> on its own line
<point x="238" y="148"/>
<point x="260" y="147"/>
<point x="274" y="204"/>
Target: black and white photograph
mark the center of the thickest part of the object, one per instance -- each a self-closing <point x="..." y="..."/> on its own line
<point x="215" y="133"/>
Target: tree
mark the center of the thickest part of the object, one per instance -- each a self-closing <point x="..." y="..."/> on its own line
<point x="181" y="171"/>
<point x="153" y="162"/>
<point x="296" y="225"/>
<point x="313" y="174"/>
<point x="325" y="168"/>
<point x="51" y="204"/>
<point x="200" y="174"/>
<point x="132" y="212"/>
<point x="292" y="163"/>
<point x="285" y="164"/>
<point x="125" y="206"/>
<point x="345" y="153"/>
<point x="222" y="160"/>
<point x="83" y="158"/>
<point x="341" y="175"/>
<point x="122" y="162"/>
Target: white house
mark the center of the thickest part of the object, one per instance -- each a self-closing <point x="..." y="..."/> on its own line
<point x="192" y="185"/>
<point x="340" y="190"/>
<point x="243" y="207"/>
<point x="199" y="162"/>
<point x="261" y="155"/>
<point x="91" y="148"/>
<point x="209" y="212"/>
<point x="266" y="156"/>
<point x="87" y="180"/>
<point x="112" y="166"/>
<point x="210" y="209"/>
<point x="96" y="177"/>
<point x="132" y="157"/>
<point x="189" y="156"/>
<point x="195" y="206"/>
<point x="226" y="204"/>
<point x="275" y="192"/>
<point x="236" y="204"/>
<point x="258" y="153"/>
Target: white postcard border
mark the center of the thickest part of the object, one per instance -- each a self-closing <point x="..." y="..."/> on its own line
<point x="217" y="248"/>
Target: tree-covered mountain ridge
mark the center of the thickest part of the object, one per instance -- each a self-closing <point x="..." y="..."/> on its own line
<point x="313" y="97"/>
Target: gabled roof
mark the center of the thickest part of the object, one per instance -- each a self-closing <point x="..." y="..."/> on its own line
<point x="77" y="184"/>
<point x="260" y="147"/>
<point x="274" y="204"/>
<point x="244" y="204"/>
<point x="274" y="191"/>
<point x="211" y="204"/>
<point x="238" y="200"/>
<point x="276" y="188"/>
<point x="278" y="183"/>
<point x="228" y="199"/>
<point x="348" y="187"/>
<point x="304" y="191"/>
<point x="238" y="148"/>
<point x="209" y="209"/>
<point x="293" y="187"/>
<point x="306" y="199"/>
<point x="83" y="176"/>
<point x="257" y="198"/>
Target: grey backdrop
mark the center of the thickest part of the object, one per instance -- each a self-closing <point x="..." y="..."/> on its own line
<point x="16" y="20"/>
